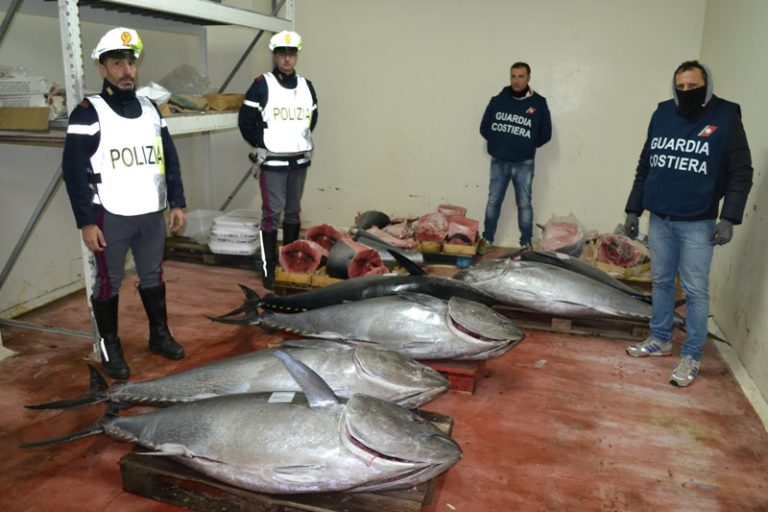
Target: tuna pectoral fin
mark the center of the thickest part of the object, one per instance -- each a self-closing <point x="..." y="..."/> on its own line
<point x="317" y="392"/>
<point x="95" y="395"/>
<point x="168" y="450"/>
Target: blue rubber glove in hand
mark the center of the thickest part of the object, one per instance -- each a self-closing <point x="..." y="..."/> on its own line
<point x="631" y="225"/>
<point x="723" y="233"/>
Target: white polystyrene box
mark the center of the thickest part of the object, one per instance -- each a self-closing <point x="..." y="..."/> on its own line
<point x="199" y="224"/>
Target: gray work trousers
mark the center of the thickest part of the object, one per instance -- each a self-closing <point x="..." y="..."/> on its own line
<point x="144" y="235"/>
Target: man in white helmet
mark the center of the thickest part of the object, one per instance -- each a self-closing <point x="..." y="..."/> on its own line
<point x="122" y="171"/>
<point x="277" y="119"/>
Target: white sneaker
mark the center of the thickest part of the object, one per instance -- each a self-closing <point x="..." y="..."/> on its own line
<point x="685" y="372"/>
<point x="650" y="347"/>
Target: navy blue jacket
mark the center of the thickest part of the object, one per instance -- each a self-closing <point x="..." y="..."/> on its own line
<point x="79" y="148"/>
<point x="670" y="179"/>
<point x="515" y="127"/>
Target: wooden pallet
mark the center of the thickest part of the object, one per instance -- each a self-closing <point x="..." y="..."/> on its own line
<point x="165" y="480"/>
<point x="609" y="328"/>
<point x="464" y="376"/>
<point x="188" y="250"/>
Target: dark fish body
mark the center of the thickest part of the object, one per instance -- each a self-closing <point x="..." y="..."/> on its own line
<point x="420" y="326"/>
<point x="365" y="288"/>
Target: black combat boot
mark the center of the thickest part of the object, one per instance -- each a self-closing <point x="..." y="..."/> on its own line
<point x="290" y="232"/>
<point x="269" y="257"/>
<point x="160" y="339"/>
<point x="105" y="313"/>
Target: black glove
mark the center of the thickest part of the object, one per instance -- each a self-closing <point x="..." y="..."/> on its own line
<point x="723" y="233"/>
<point x="631" y="225"/>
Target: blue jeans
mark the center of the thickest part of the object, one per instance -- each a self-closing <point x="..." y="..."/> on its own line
<point x="683" y="246"/>
<point x="521" y="175"/>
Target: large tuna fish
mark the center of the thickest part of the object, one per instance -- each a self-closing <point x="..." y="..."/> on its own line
<point x="346" y="367"/>
<point x="418" y="325"/>
<point x="319" y="444"/>
<point x="566" y="261"/>
<point x="552" y="289"/>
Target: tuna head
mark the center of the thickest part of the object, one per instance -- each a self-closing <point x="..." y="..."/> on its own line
<point x="410" y="384"/>
<point x="482" y="325"/>
<point x="376" y="429"/>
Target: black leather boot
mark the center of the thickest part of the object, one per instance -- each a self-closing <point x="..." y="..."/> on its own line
<point x="269" y="257"/>
<point x="160" y="339"/>
<point x="105" y="313"/>
<point x="290" y="232"/>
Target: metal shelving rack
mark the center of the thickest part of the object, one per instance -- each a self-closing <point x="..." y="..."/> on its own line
<point x="174" y="15"/>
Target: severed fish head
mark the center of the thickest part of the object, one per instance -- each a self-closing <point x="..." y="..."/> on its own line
<point x="482" y="325"/>
<point x="411" y="383"/>
<point x="413" y="448"/>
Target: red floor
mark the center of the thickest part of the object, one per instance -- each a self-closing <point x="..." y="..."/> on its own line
<point x="560" y="423"/>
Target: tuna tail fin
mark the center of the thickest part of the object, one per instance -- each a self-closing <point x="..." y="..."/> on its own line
<point x="317" y="391"/>
<point x="95" y="429"/>
<point x="249" y="309"/>
<point x="252" y="302"/>
<point x="95" y="395"/>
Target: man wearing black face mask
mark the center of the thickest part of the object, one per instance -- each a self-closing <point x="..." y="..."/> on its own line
<point x="696" y="154"/>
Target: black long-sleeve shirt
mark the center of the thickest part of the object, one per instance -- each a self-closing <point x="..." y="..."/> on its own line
<point x="79" y="147"/>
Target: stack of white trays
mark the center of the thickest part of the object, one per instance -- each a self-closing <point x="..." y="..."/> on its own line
<point x="236" y="232"/>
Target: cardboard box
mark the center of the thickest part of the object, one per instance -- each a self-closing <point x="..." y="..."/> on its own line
<point x="24" y="118"/>
<point x="24" y="100"/>
<point x="221" y="102"/>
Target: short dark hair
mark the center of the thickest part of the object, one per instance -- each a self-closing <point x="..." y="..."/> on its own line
<point x="116" y="54"/>
<point x="521" y="65"/>
<point x="689" y="65"/>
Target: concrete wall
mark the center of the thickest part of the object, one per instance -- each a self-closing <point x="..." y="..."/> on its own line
<point x="402" y="87"/>
<point x="734" y="45"/>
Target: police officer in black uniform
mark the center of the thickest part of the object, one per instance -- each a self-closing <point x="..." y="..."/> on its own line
<point x="122" y="171"/>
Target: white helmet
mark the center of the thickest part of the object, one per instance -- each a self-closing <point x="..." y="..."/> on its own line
<point x="119" y="38"/>
<point x="285" y="39"/>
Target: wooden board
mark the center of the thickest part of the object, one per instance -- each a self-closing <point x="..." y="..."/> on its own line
<point x="186" y="249"/>
<point x="623" y="329"/>
<point x="166" y="480"/>
<point x="464" y="376"/>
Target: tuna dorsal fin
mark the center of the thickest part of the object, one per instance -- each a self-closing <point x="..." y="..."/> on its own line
<point x="318" y="393"/>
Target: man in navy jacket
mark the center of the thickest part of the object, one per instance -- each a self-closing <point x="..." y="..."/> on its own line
<point x="516" y="122"/>
<point x="695" y="154"/>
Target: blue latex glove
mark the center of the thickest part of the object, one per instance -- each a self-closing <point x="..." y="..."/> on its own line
<point x="723" y="233"/>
